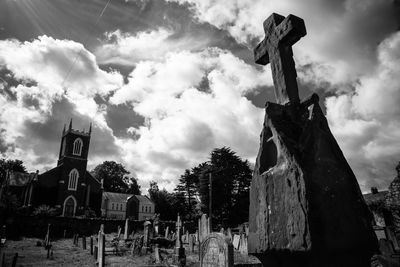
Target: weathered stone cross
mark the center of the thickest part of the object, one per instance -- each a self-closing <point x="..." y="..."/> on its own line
<point x="276" y="48"/>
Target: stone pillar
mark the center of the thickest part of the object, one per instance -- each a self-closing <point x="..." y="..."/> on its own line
<point x="146" y="236"/>
<point x="166" y="232"/>
<point x="101" y="249"/>
<point x="126" y="229"/>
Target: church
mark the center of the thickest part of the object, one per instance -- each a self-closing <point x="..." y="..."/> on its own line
<point x="69" y="186"/>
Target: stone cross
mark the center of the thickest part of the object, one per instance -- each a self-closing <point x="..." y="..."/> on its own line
<point x="276" y="48"/>
<point x="178" y="232"/>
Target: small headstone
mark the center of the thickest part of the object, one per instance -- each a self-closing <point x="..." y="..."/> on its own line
<point x="380" y="233"/>
<point x="119" y="231"/>
<point x="156" y="225"/>
<point x="191" y="242"/>
<point x="216" y="251"/>
<point x="126" y="229"/>
<point x="166" y="232"/>
<point x="229" y="233"/>
<point x="101" y="250"/>
<point x="84" y="242"/>
<point x="157" y="254"/>
<point x="146" y="236"/>
<point x="222" y="231"/>
<point x="243" y="245"/>
<point x="204" y="227"/>
<point x="91" y="245"/>
<point x="236" y="241"/>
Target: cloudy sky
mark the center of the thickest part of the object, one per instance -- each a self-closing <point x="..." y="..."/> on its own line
<point x="166" y="81"/>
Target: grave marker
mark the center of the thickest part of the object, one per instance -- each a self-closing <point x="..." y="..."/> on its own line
<point x="101" y="249"/>
<point x="243" y="244"/>
<point x="296" y="217"/>
<point x="166" y="232"/>
<point x="84" y="242"/>
<point x="146" y="236"/>
<point x="126" y="229"/>
<point x="119" y="231"/>
<point x="216" y="251"/>
<point x="236" y="241"/>
<point x="204" y="227"/>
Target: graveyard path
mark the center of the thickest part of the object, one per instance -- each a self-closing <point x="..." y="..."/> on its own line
<point x="64" y="253"/>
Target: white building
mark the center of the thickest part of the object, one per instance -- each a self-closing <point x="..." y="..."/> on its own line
<point x="120" y="206"/>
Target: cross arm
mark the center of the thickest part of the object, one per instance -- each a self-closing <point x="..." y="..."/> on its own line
<point x="291" y="30"/>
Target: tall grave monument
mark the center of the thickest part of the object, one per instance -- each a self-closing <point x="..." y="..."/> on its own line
<point x="306" y="207"/>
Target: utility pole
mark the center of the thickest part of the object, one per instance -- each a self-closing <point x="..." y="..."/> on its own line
<point x="210" y="200"/>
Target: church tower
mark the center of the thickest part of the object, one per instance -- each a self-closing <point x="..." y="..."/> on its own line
<point x="72" y="163"/>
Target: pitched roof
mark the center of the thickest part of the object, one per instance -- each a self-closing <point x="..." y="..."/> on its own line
<point x="116" y="197"/>
<point x="144" y="199"/>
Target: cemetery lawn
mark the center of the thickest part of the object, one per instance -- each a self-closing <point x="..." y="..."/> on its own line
<point x="66" y="254"/>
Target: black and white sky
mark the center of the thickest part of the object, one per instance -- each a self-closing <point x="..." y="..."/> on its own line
<point x="166" y="81"/>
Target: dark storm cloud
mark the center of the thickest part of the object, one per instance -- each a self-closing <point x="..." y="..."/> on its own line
<point x="121" y="117"/>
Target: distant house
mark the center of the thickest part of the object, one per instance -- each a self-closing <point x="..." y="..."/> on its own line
<point x="140" y="208"/>
<point x="121" y="206"/>
<point x="113" y="205"/>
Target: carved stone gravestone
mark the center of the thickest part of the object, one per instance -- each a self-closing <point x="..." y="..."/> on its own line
<point x="306" y="207"/>
<point x="204" y="227"/>
<point x="216" y="251"/>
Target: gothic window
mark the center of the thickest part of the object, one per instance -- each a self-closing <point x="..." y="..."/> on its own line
<point x="146" y="209"/>
<point x="73" y="180"/>
<point x="77" y="149"/>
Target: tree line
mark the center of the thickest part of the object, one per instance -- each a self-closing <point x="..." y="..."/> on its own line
<point x="230" y="177"/>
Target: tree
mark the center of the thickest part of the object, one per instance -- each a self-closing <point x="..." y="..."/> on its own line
<point x="134" y="187"/>
<point x="231" y="178"/>
<point x="186" y="192"/>
<point x="115" y="178"/>
<point x="10" y="165"/>
<point x="166" y="204"/>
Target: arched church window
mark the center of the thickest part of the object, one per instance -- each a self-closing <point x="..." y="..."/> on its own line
<point x="77" y="149"/>
<point x="73" y="180"/>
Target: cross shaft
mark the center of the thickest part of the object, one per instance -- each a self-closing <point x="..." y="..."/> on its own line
<point x="276" y="48"/>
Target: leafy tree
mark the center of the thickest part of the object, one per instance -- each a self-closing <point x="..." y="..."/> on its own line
<point x="166" y="204"/>
<point x="133" y="187"/>
<point x="186" y="192"/>
<point x="11" y="165"/>
<point x="231" y="178"/>
<point x="115" y="178"/>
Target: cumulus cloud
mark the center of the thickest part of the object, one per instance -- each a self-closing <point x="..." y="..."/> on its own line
<point x="127" y="48"/>
<point x="46" y="72"/>
<point x="367" y="123"/>
<point x="342" y="35"/>
<point x="183" y="120"/>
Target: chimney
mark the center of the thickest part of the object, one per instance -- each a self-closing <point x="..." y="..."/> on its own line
<point x="374" y="190"/>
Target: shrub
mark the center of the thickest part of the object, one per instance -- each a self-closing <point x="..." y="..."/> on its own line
<point x="44" y="210"/>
